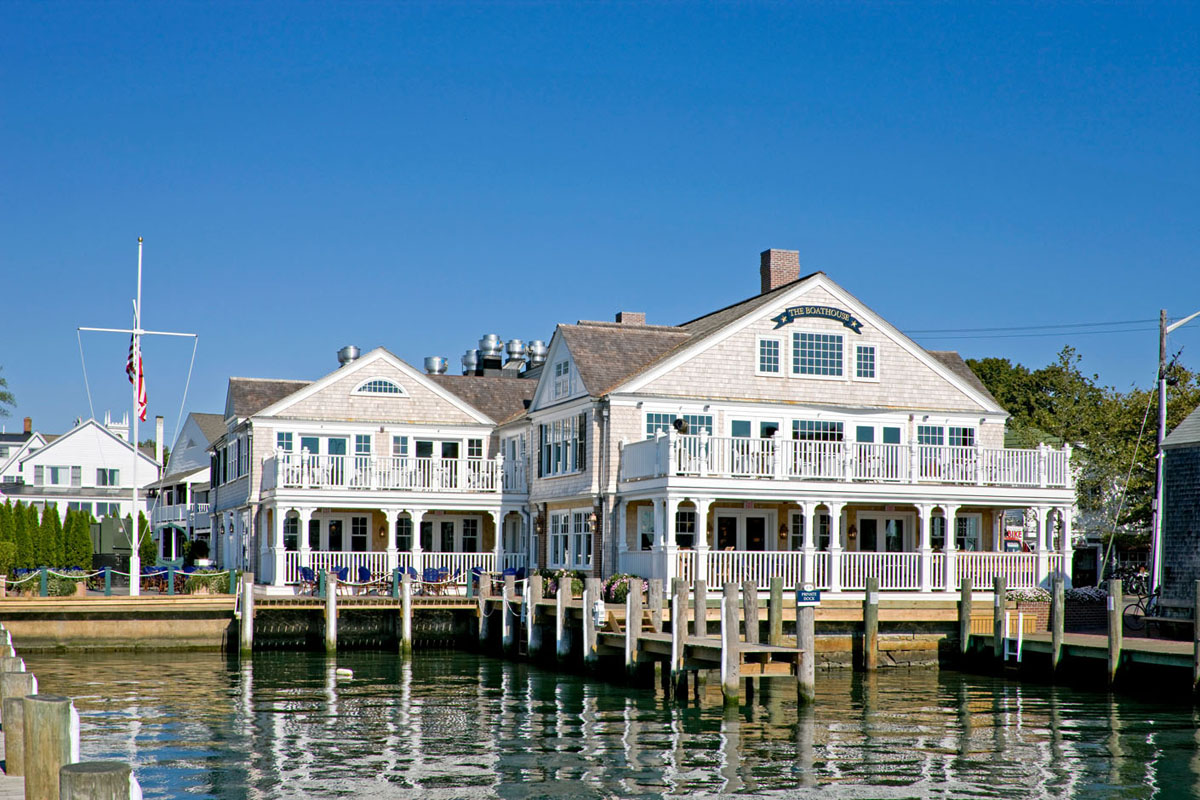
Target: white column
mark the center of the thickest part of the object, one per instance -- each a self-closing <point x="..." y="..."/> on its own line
<point x="808" y="558"/>
<point x="498" y="536"/>
<point x="389" y="540"/>
<point x="1066" y="546"/>
<point x="670" y="548"/>
<point x="620" y="507"/>
<point x="925" y="546"/>
<point x="660" y="525"/>
<point x="1043" y="543"/>
<point x="951" y="514"/>
<point x="837" y="532"/>
<point x="305" y="550"/>
<point x="703" y="504"/>
<point x="277" y="515"/>
<point x="418" y="516"/>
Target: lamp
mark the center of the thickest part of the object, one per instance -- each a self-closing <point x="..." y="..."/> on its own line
<point x="852" y="532"/>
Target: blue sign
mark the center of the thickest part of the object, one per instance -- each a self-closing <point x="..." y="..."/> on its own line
<point x="826" y="312"/>
<point x="808" y="597"/>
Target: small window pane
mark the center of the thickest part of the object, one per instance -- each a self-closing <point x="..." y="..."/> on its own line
<point x="864" y="358"/>
<point x="817" y="354"/>
<point x="768" y="356"/>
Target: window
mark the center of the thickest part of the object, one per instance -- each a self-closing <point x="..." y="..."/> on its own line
<point x="314" y="534"/>
<point x="77" y="506"/>
<point x="564" y="445"/>
<point x="817" y="430"/>
<point x="864" y="362"/>
<point x="646" y="527"/>
<point x="404" y="532"/>
<point x="581" y="550"/>
<point x="796" y="535"/>
<point x="966" y="532"/>
<point x="962" y="437"/>
<point x="76" y="476"/>
<point x="930" y="435"/>
<point x="768" y="357"/>
<point x="817" y="354"/>
<point x="696" y="423"/>
<point x="379" y="386"/>
<point x="470" y="536"/>
<point x="58" y="475"/>
<point x="559" y="531"/>
<point x="39" y="475"/>
<point x="562" y="379"/>
<point x="474" y="448"/>
<point x="283" y="441"/>
<point x="291" y="534"/>
<point x="739" y="428"/>
<point x="937" y="532"/>
<point x="399" y="447"/>
<point x="685" y="528"/>
<point x="358" y="534"/>
<point x="362" y="444"/>
<point x="821" y="528"/>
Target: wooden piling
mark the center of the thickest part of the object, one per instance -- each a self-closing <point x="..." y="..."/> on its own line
<point x="1057" y="621"/>
<point x="775" y="613"/>
<point x="730" y="655"/>
<point x="331" y="618"/>
<point x="679" y="602"/>
<point x="1115" y="611"/>
<point x="699" y="607"/>
<point x="97" y="780"/>
<point x="593" y="618"/>
<point x="750" y="611"/>
<point x="12" y="664"/>
<point x="655" y="599"/>
<point x="964" y="616"/>
<point x="533" y="631"/>
<point x="485" y="589"/>
<point x="246" y="628"/>
<point x="562" y="640"/>
<point x="633" y="626"/>
<point x="406" y="612"/>
<point x="14" y="736"/>
<point x="871" y="625"/>
<point x="999" y="590"/>
<point x="49" y="743"/>
<point x="806" y="643"/>
<point x="16" y="684"/>
<point x="508" y="624"/>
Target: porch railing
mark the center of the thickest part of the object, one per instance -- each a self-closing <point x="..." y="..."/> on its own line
<point x="788" y="459"/>
<point x="457" y="565"/>
<point x="1018" y="569"/>
<point x="179" y="513"/>
<point x="515" y="477"/>
<point x="307" y="471"/>
<point x="894" y="570"/>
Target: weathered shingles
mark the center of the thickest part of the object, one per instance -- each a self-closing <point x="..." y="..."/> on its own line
<point x="1186" y="432"/>
<point x="954" y="362"/>
<point x="607" y="355"/>
<point x="211" y="425"/>
<point x="501" y="399"/>
<point x="248" y="396"/>
<point x="715" y="320"/>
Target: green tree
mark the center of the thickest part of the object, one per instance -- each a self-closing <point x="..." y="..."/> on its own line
<point x="44" y="547"/>
<point x="147" y="551"/>
<point x="21" y="536"/>
<point x="6" y="522"/>
<point x="6" y="397"/>
<point x="79" y="541"/>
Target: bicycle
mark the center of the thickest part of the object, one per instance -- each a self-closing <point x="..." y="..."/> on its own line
<point x="1135" y="614"/>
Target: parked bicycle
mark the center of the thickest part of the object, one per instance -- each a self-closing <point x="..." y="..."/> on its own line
<point x="1137" y="614"/>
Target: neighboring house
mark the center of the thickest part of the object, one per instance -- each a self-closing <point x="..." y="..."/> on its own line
<point x="13" y="447"/>
<point x="375" y="466"/>
<point x="88" y="468"/>
<point x="1181" y="517"/>
<point x="180" y="500"/>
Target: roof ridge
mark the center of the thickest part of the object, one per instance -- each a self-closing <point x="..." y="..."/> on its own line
<point x="625" y="326"/>
<point x="776" y="290"/>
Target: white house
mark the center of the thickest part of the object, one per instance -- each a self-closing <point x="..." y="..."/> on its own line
<point x="180" y="508"/>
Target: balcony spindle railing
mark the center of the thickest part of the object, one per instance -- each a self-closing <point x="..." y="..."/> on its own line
<point x="308" y="471"/>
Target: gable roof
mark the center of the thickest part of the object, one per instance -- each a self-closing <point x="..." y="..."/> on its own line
<point x="502" y="399"/>
<point x="146" y="451"/>
<point x="954" y="362"/>
<point x="211" y="425"/>
<point x="248" y="396"/>
<point x="607" y="354"/>
<point x="715" y="320"/>
<point x="1186" y="432"/>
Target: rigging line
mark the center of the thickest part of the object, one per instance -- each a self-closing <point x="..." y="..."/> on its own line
<point x="83" y="363"/>
<point x="1125" y="489"/>
<point x="1038" y="327"/>
<point x="1031" y="335"/>
<point x="183" y="402"/>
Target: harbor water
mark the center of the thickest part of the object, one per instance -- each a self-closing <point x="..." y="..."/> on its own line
<point x="452" y="724"/>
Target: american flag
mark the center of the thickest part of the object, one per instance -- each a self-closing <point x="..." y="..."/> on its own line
<point x="133" y="368"/>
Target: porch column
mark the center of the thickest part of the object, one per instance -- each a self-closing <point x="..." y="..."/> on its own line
<point x="1043" y="543"/>
<point x="925" y="546"/>
<point x="659" y="524"/>
<point x="703" y="504"/>
<point x="951" y="514"/>
<point x="305" y="549"/>
<point x="389" y="540"/>
<point x="418" y="516"/>
<point x="808" y="558"/>
<point x="1065" y="544"/>
<point x="670" y="548"/>
<point x="620" y="532"/>
<point x="497" y="516"/>
<point x="277" y="515"/>
<point x="835" y="545"/>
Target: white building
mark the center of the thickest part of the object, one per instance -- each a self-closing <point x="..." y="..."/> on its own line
<point x="180" y="509"/>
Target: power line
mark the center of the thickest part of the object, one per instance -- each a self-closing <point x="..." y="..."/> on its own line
<point x="1110" y="323"/>
<point x="1030" y="335"/>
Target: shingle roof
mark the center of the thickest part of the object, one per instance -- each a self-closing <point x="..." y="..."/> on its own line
<point x="248" y="396"/>
<point x="502" y="399"/>
<point x="954" y="362"/>
<point x="1186" y="432"/>
<point x="211" y="425"/>
<point x="176" y="477"/>
<point x="715" y="320"/>
<point x="608" y="353"/>
<point x="14" y="438"/>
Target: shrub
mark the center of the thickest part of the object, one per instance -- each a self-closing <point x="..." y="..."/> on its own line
<point x="556" y="577"/>
<point x="211" y="580"/>
<point x="1087" y="594"/>
<point x="59" y="586"/>
<point x="616" y="588"/>
<point x="8" y="557"/>
<point x="1034" y="595"/>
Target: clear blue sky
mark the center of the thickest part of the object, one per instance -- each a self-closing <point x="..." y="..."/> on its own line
<point x="416" y="175"/>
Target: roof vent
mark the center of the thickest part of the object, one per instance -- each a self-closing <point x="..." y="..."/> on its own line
<point x="537" y="352"/>
<point x="435" y="365"/>
<point x="515" y="350"/>
<point x="347" y="354"/>
<point x="490" y="346"/>
<point x="470" y="361"/>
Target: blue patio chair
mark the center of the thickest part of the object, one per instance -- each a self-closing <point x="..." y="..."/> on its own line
<point x="308" y="581"/>
<point x="342" y="573"/>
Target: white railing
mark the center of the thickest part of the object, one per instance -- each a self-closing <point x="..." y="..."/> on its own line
<point x="1056" y="563"/>
<point x="894" y="570"/>
<point x="180" y="513"/>
<point x="725" y="566"/>
<point x="306" y="471"/>
<point x="643" y="563"/>
<point x="200" y="515"/>
<point x="515" y="477"/>
<point x="514" y="560"/>
<point x="743" y="457"/>
<point x="457" y="566"/>
<point x="820" y="577"/>
<point x="1018" y="569"/>
<point x="685" y="565"/>
<point x="939" y="571"/>
<point x="330" y="560"/>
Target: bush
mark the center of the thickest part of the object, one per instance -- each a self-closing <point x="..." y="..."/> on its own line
<point x="8" y="557"/>
<point x="555" y="577"/>
<point x="59" y="586"/>
<point x="616" y="588"/>
<point x="1034" y="595"/>
<point x="1087" y="594"/>
<point x="211" y="580"/>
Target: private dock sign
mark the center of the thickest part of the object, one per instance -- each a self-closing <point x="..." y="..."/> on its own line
<point x="808" y="597"/>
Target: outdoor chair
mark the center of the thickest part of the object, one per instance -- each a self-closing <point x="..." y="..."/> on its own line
<point x="308" y="581"/>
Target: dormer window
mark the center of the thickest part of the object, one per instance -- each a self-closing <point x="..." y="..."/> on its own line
<point x="562" y="379"/>
<point x="380" y="386"/>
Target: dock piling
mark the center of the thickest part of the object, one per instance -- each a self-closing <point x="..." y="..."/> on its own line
<point x="51" y="741"/>
<point x="246" y="627"/>
<point x="775" y="613"/>
<point x="331" y="618"/>
<point x="90" y="780"/>
<point x="655" y="599"/>
<point x="406" y="608"/>
<point x="533" y="631"/>
<point x="679" y="602"/>
<point x="871" y="625"/>
<point x="964" y="616"/>
<point x="700" y="607"/>
<point x="14" y="736"/>
<point x="16" y="684"/>
<point x="485" y="589"/>
<point x="1115" y="600"/>
<point x="806" y="665"/>
<point x="593" y="618"/>
<point x="562" y="642"/>
<point x="508" y="639"/>
<point x="633" y="626"/>
<point x="750" y="611"/>
<point x="999" y="590"/>
<point x="1057" y="622"/>
<point x="730" y="657"/>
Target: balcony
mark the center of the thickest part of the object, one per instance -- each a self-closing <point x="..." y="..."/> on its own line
<point x="787" y="459"/>
<point x="376" y="473"/>
<point x="195" y="515"/>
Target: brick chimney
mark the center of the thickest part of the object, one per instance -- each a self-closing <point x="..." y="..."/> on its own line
<point x="28" y="425"/>
<point x="778" y="267"/>
<point x="631" y="317"/>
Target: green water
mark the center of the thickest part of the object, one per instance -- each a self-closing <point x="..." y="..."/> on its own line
<point x="450" y="724"/>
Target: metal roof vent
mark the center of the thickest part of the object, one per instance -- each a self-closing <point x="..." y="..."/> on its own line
<point x="490" y="346"/>
<point x="537" y="352"/>
<point x="470" y="361"/>
<point x="435" y="365"/>
<point x="347" y="354"/>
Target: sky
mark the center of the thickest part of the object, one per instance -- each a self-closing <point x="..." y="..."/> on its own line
<point x="415" y="175"/>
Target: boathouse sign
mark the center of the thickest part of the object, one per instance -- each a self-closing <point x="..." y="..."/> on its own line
<point x="793" y="313"/>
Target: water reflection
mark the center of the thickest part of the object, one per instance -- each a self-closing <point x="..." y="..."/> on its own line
<point x="454" y="725"/>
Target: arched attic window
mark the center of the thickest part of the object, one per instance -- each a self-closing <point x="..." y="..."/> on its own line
<point x="380" y="386"/>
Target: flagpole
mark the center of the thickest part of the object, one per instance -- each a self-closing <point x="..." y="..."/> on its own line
<point x="135" y="539"/>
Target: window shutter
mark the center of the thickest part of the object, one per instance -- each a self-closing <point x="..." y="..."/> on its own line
<point x="541" y="450"/>
<point x="581" y="448"/>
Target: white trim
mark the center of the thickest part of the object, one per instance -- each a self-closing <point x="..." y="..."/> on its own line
<point x="780" y="342"/>
<point x="793" y="373"/>
<point x="358" y="390"/>
<point x="85" y="424"/>
<point x="543" y="396"/>
<point x="852" y="373"/>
